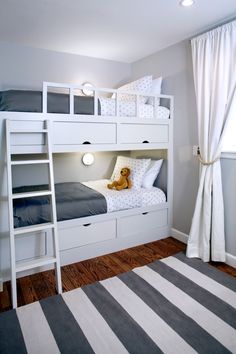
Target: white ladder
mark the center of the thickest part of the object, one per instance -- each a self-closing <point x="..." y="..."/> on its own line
<point x="19" y="266"/>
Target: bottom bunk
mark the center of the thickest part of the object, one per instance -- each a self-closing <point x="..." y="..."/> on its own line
<point x="95" y="223"/>
<point x="93" y="219"/>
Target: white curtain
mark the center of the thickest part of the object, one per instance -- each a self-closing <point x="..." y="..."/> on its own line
<point x="214" y="67"/>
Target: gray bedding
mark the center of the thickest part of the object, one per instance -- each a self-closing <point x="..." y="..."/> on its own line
<point x="73" y="200"/>
<point x="31" y="101"/>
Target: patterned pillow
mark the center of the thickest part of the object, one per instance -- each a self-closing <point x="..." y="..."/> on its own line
<point x="155" y="90"/>
<point x="141" y="86"/>
<point x="138" y="168"/>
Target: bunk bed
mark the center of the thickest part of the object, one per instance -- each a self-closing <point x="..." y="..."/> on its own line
<point x="103" y="124"/>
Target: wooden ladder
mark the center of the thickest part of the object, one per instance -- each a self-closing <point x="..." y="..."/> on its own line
<point x="19" y="266"/>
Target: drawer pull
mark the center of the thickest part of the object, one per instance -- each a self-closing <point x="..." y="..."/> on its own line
<point x="87" y="224"/>
<point x="145" y="142"/>
<point x="145" y="213"/>
<point x="86" y="142"/>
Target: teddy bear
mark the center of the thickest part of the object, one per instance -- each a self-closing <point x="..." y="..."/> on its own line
<point x="123" y="182"/>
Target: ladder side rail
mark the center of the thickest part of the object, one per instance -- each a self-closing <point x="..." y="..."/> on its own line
<point x="10" y="215"/>
<point x="53" y="205"/>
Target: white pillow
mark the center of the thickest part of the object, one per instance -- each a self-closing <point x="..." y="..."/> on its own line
<point x="138" y="168"/>
<point x="151" y="174"/>
<point x="141" y="86"/>
<point x="155" y="90"/>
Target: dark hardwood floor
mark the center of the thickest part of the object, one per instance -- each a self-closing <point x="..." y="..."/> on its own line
<point x="41" y="285"/>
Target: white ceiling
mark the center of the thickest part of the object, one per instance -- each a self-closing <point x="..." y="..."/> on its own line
<point x="122" y="30"/>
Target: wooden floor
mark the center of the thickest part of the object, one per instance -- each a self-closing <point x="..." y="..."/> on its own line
<point x="42" y="285"/>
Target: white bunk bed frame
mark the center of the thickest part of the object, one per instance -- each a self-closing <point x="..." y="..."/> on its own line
<point x="96" y="235"/>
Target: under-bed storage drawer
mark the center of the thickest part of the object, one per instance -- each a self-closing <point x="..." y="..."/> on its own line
<point x="143" y="223"/>
<point x="74" y="133"/>
<point x="143" y="133"/>
<point x="77" y="236"/>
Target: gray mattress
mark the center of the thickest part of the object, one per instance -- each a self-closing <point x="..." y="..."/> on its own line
<point x="31" y="101"/>
<point x="73" y="200"/>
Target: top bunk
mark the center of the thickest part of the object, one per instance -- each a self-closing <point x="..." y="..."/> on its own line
<point x="109" y="119"/>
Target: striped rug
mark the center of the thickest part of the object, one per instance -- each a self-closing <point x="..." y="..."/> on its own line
<point x="173" y="305"/>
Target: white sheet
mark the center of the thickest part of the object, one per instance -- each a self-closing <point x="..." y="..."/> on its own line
<point x="127" y="198"/>
<point x="128" y="109"/>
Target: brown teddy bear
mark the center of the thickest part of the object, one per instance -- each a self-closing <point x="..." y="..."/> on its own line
<point x="123" y="182"/>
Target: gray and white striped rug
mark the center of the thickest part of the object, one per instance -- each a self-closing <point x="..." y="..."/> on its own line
<point x="173" y="305"/>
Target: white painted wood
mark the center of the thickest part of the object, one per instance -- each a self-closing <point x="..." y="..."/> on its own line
<point x="82" y="133"/>
<point x="142" y="222"/>
<point x="54" y="212"/>
<point x="34" y="263"/>
<point x="10" y="213"/>
<point x="182" y="237"/>
<point x="141" y="133"/>
<point x="97" y="249"/>
<point x="107" y="232"/>
<point x="29" y="162"/>
<point x="31" y="194"/>
<point x="31" y="229"/>
<point x="29" y="246"/>
<point x="170" y="163"/>
<point x="87" y="233"/>
<point x="23" y="265"/>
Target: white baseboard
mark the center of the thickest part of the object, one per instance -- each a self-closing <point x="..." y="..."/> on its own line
<point x="230" y="260"/>
<point x="181" y="236"/>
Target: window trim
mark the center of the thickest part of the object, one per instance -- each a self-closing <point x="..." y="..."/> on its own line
<point x="228" y="155"/>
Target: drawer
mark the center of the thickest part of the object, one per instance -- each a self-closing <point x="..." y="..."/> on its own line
<point x="143" y="222"/>
<point x="73" y="133"/>
<point x="144" y="133"/>
<point x="72" y="237"/>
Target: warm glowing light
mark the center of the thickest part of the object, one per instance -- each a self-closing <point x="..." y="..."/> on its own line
<point x="88" y="159"/>
<point x="186" y="3"/>
<point x="87" y="89"/>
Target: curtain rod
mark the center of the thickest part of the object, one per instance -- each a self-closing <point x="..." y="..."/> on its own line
<point x="218" y="24"/>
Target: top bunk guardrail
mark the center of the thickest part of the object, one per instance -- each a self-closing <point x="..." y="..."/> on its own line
<point x="97" y="92"/>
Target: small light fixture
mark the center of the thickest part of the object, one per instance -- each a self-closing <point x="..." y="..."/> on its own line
<point x="87" y="89"/>
<point x="186" y="3"/>
<point x="88" y="159"/>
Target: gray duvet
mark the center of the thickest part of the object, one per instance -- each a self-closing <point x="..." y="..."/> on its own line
<point x="31" y="101"/>
<point x="73" y="200"/>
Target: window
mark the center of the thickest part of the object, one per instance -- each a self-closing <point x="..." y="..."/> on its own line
<point x="229" y="141"/>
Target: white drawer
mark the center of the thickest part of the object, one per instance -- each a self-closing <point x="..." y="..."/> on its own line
<point x="73" y="133"/>
<point x="143" y="223"/>
<point x="144" y="133"/>
<point x="86" y="234"/>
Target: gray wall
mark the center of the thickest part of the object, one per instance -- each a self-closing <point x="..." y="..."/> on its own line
<point x="174" y="64"/>
<point x="26" y="68"/>
<point x="228" y="167"/>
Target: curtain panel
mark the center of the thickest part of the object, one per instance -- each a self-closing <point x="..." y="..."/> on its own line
<point x="214" y="68"/>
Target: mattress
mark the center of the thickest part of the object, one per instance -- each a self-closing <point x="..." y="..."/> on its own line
<point x="31" y="101"/>
<point x="75" y="200"/>
<point x="127" y="198"/>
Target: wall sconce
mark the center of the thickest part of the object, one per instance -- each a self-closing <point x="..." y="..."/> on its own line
<point x="88" y="159"/>
<point x="87" y="89"/>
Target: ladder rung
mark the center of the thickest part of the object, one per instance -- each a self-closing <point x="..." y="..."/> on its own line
<point x="34" y="228"/>
<point x="22" y="131"/>
<point x="29" y="162"/>
<point x="35" y="262"/>
<point x="31" y="194"/>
